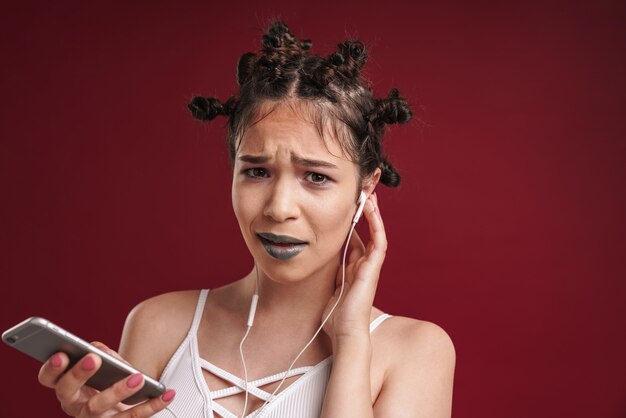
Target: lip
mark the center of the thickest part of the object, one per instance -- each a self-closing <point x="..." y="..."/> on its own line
<point x="281" y="247"/>
<point x="280" y="239"/>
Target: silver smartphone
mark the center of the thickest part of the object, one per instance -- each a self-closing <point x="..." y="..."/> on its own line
<point x="40" y="339"/>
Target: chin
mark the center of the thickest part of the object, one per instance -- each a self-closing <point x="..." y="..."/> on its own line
<point x="284" y="271"/>
<point x="293" y="270"/>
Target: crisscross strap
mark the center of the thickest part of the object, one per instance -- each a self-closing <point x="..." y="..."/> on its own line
<point x="240" y="384"/>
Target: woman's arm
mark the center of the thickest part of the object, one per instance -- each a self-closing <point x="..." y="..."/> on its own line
<point x="348" y="393"/>
<point x="418" y="357"/>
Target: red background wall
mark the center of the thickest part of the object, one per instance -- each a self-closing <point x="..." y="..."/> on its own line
<point x="508" y="230"/>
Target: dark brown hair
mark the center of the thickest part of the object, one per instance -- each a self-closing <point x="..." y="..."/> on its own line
<point x="332" y="90"/>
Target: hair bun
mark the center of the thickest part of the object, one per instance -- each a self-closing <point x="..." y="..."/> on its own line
<point x="306" y="44"/>
<point x="394" y="109"/>
<point x="207" y="108"/>
<point x="388" y="176"/>
<point x="278" y="36"/>
<point x="349" y="59"/>
<point x="356" y="49"/>
<point x="270" y="41"/>
<point x="336" y="59"/>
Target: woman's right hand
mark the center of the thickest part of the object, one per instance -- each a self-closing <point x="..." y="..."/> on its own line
<point x="79" y="400"/>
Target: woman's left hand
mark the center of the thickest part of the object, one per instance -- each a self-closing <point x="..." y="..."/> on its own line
<point x="351" y="318"/>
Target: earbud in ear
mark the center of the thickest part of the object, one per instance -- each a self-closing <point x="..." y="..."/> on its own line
<point x="361" y="203"/>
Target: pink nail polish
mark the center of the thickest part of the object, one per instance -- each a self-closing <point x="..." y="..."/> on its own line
<point x="56" y="360"/>
<point x="134" y="380"/>
<point x="168" y="396"/>
<point x="89" y="364"/>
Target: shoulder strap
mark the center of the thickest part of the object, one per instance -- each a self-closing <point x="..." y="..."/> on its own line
<point x="379" y="320"/>
<point x="197" y="316"/>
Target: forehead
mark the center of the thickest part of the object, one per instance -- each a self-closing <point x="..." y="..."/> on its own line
<point x="291" y="128"/>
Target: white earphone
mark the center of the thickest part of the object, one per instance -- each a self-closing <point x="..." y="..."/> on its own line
<point x="361" y="203"/>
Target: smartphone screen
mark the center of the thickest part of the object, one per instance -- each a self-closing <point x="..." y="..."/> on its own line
<point x="40" y="339"/>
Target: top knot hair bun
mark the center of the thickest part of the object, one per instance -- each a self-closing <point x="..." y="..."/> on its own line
<point x="207" y="108"/>
<point x="349" y="59"/>
<point x="278" y="36"/>
<point x="394" y="109"/>
<point x="333" y="86"/>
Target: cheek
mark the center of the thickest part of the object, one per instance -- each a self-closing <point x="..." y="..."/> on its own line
<point x="245" y="213"/>
<point x="242" y="206"/>
<point x="235" y="199"/>
<point x="333" y="225"/>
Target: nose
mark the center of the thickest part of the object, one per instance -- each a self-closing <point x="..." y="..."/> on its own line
<point x="282" y="201"/>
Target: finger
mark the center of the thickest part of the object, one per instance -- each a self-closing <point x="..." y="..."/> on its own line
<point x="378" y="237"/>
<point x="108" y="350"/>
<point x="102" y="346"/>
<point x="149" y="408"/>
<point x="52" y="369"/>
<point x="356" y="248"/>
<point x="69" y="385"/>
<point x="110" y="397"/>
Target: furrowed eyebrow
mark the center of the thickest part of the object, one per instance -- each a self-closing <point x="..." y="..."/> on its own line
<point x="311" y="163"/>
<point x="254" y="159"/>
<point x="307" y="162"/>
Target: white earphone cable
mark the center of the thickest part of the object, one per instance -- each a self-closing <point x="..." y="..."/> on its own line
<point x="255" y="298"/>
<point x="245" y="371"/>
<point x="326" y="318"/>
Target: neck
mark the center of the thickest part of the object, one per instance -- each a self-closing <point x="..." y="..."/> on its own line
<point x="302" y="301"/>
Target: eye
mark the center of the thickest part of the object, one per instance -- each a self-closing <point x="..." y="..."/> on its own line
<point x="256" y="172"/>
<point x="317" y="178"/>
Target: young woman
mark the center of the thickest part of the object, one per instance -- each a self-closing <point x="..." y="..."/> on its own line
<point x="305" y="137"/>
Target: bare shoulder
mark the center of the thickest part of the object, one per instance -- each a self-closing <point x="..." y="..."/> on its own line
<point x="418" y="361"/>
<point x="418" y="337"/>
<point x="159" y="313"/>
<point x="155" y="328"/>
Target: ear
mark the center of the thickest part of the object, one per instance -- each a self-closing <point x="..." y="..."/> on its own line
<point x="370" y="182"/>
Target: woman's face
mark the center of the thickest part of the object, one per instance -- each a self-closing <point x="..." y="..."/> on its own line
<point x="294" y="196"/>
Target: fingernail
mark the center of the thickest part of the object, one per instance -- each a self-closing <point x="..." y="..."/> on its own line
<point x="56" y="360"/>
<point x="89" y="364"/>
<point x="134" y="380"/>
<point x="169" y="395"/>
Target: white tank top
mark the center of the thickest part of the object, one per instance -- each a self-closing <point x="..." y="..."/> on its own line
<point x="194" y="399"/>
